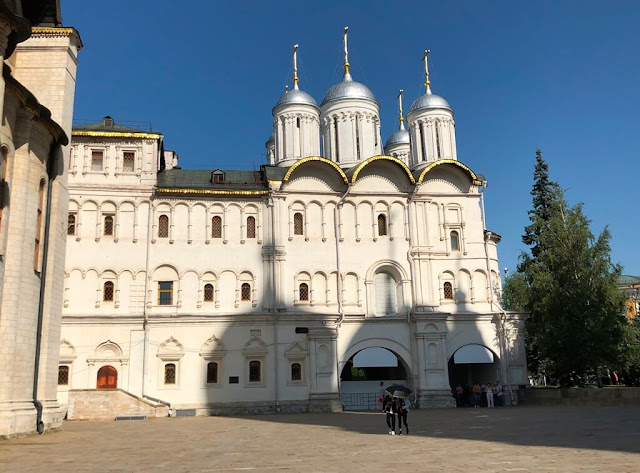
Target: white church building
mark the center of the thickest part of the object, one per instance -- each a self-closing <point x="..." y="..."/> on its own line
<point x="340" y="263"/>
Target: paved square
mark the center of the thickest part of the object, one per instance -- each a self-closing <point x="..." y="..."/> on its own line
<point x="521" y="439"/>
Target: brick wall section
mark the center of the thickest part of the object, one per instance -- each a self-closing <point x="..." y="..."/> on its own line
<point x="106" y="404"/>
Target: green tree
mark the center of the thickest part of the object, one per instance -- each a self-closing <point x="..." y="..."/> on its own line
<point x="577" y="318"/>
<point x="515" y="294"/>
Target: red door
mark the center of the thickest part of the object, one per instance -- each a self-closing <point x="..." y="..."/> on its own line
<point x="107" y="378"/>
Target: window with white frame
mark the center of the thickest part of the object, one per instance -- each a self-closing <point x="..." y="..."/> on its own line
<point x="128" y="161"/>
<point x="97" y="158"/>
<point x="255" y="371"/>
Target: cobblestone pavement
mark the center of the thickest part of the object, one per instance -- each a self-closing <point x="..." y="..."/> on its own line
<point x="521" y="439"/>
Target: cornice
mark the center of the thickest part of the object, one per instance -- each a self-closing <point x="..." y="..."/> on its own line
<point x="117" y="134"/>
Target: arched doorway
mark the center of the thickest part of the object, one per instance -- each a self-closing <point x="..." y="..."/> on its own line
<point x="107" y="378"/>
<point x="362" y="374"/>
<point x="470" y="364"/>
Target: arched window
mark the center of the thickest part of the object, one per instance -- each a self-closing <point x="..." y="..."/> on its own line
<point x="163" y="226"/>
<point x="436" y="124"/>
<point x="386" y="292"/>
<point x="251" y="227"/>
<point x="108" y="225"/>
<point x="448" y="290"/>
<point x="107" y="291"/>
<point x="216" y="227"/>
<point x="170" y="373"/>
<point x="255" y="371"/>
<point x="107" y="378"/>
<point x="212" y="373"/>
<point x="297" y="224"/>
<point x="36" y="259"/>
<point x="298" y="122"/>
<point x="296" y="372"/>
<point x="382" y="225"/>
<point x="303" y="292"/>
<point x="3" y="178"/>
<point x="63" y="375"/>
<point x="455" y="241"/>
<point x="208" y="292"/>
<point x="245" y="292"/>
<point x="71" y="224"/>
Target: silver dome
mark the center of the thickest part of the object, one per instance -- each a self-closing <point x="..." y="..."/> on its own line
<point x="400" y="137"/>
<point x="348" y="89"/>
<point x="430" y="101"/>
<point x="296" y="96"/>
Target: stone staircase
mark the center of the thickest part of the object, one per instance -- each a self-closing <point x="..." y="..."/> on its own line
<point x="107" y="404"/>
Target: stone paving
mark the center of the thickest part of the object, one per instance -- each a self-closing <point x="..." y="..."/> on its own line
<point x="521" y="439"/>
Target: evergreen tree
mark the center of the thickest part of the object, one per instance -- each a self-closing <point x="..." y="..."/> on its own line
<point x="515" y="294"/>
<point x="577" y="318"/>
<point x="544" y="193"/>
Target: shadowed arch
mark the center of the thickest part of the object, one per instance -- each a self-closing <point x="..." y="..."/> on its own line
<point x="318" y="159"/>
<point x="397" y="161"/>
<point x="472" y="175"/>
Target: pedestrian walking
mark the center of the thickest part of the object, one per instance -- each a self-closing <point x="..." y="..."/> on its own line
<point x="500" y="392"/>
<point x="390" y="408"/>
<point x="403" y="410"/>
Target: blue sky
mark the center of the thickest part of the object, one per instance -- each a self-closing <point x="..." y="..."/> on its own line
<point x="557" y="75"/>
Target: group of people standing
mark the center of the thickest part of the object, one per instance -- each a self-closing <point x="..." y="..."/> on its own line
<point x="480" y="395"/>
<point x="395" y="406"/>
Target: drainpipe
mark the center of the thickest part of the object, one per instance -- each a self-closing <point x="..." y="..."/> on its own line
<point x="275" y="299"/>
<point x="43" y="282"/>
<point x="145" y="314"/>
<point x="339" y="278"/>
<point x="413" y="282"/>
<point x="492" y="302"/>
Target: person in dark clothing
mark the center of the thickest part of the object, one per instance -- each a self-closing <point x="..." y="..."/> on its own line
<point x="403" y="410"/>
<point x="390" y="408"/>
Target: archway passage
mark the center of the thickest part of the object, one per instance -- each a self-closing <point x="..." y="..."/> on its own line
<point x="107" y="378"/>
<point x="362" y="374"/>
<point x="470" y="364"/>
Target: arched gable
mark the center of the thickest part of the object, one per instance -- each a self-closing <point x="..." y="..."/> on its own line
<point x="325" y="173"/>
<point x="450" y="162"/>
<point x="391" y="159"/>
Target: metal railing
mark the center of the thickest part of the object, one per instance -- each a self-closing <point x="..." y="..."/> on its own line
<point x="360" y="401"/>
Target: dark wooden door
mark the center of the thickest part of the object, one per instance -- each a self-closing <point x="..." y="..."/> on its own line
<point x="107" y="378"/>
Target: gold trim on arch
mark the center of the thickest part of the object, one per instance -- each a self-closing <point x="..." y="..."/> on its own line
<point x="315" y="158"/>
<point x="386" y="158"/>
<point x="474" y="178"/>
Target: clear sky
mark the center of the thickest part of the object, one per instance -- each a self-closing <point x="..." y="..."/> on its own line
<point x="561" y="76"/>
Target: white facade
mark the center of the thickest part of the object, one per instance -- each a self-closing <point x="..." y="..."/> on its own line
<point x="281" y="276"/>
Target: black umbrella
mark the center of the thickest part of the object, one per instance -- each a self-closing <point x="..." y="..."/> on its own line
<point x="398" y="390"/>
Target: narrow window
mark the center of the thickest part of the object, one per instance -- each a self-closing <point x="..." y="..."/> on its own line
<point x="298" y="122"/>
<point x="296" y="372"/>
<point x="170" y="373"/>
<point x="63" y="375"/>
<point x="335" y="127"/>
<point x="251" y="227"/>
<point x="39" y="227"/>
<point x="255" y="375"/>
<point x="96" y="160"/>
<point x="422" y="140"/>
<point x="165" y="292"/>
<point x="437" y="125"/>
<point x="448" y="290"/>
<point x="212" y="373"/>
<point x="71" y="224"/>
<point x="245" y="292"/>
<point x="303" y="292"/>
<point x="216" y="227"/>
<point x="163" y="226"/>
<point x="108" y="225"/>
<point x="455" y="241"/>
<point x="382" y="225"/>
<point x="107" y="291"/>
<point x="128" y="161"/>
<point x="3" y="179"/>
<point x="297" y="224"/>
<point x="208" y="292"/>
<point x="358" y="137"/>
